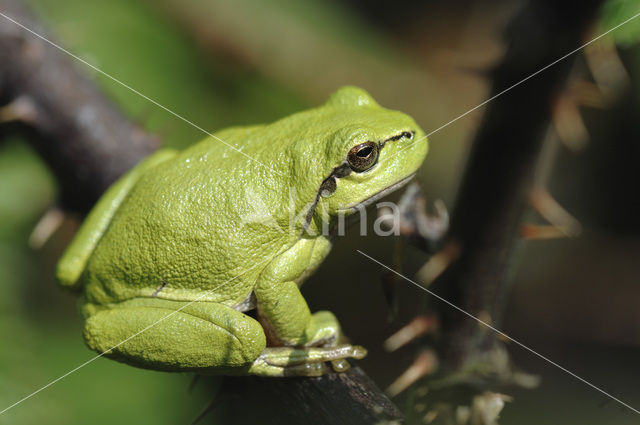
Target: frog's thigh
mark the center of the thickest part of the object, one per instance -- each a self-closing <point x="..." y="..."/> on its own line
<point x="174" y="335"/>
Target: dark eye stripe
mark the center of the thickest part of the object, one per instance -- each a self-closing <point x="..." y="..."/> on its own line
<point x="407" y="134"/>
<point x="342" y="171"/>
<point x="328" y="187"/>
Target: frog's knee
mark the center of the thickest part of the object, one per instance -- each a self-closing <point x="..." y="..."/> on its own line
<point x="250" y="337"/>
<point x="245" y="333"/>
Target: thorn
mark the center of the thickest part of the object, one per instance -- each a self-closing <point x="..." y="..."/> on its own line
<point x="20" y="109"/>
<point x="390" y="281"/>
<point x="389" y="285"/>
<point x="419" y="326"/>
<point x="526" y="380"/>
<point x="532" y="232"/>
<point x="194" y="382"/>
<point x="486" y="407"/>
<point x="607" y="68"/>
<point x="503" y="339"/>
<point x="431" y="416"/>
<point x="588" y="94"/>
<point x="559" y="218"/>
<point x="424" y="364"/>
<point x="419" y="407"/>
<point x="47" y="225"/>
<point x="206" y="410"/>
<point x="438" y="263"/>
<point x="568" y="123"/>
<point x="485" y="316"/>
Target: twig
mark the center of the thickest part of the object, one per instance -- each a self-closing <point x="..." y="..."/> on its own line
<point x="499" y="174"/>
<point x="83" y="137"/>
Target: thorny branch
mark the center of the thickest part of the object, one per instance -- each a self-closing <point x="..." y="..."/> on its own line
<point x="499" y="174"/>
<point x="494" y="192"/>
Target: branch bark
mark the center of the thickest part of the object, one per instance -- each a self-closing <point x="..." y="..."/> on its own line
<point x="348" y="398"/>
<point x="85" y="139"/>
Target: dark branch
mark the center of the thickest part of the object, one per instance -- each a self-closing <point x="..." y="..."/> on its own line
<point x="499" y="174"/>
<point x="83" y="137"/>
<point x="349" y="398"/>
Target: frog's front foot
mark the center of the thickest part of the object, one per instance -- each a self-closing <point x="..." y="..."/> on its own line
<point x="309" y="361"/>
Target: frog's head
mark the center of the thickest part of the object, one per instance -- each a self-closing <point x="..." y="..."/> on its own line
<point x="367" y="153"/>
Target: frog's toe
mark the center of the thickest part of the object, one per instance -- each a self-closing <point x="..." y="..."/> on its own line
<point x="309" y="361"/>
<point x="283" y="361"/>
<point x="358" y="352"/>
<point x="261" y="368"/>
<point x="341" y="365"/>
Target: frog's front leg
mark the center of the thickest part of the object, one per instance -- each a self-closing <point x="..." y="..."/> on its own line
<point x="285" y="315"/>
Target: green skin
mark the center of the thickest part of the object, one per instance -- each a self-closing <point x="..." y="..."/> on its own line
<point x="168" y="249"/>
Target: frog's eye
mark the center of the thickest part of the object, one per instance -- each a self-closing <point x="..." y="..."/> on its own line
<point x="363" y="156"/>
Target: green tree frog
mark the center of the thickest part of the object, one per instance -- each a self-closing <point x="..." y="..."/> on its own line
<point x="169" y="264"/>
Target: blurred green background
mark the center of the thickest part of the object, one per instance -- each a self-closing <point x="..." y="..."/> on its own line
<point x="237" y="62"/>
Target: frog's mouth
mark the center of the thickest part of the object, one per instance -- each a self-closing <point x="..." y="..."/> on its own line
<point x="378" y="195"/>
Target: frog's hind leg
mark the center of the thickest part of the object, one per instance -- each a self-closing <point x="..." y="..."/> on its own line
<point x="176" y="336"/>
<point x="206" y="337"/>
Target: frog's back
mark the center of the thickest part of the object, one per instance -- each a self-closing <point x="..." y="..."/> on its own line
<point x="180" y="231"/>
